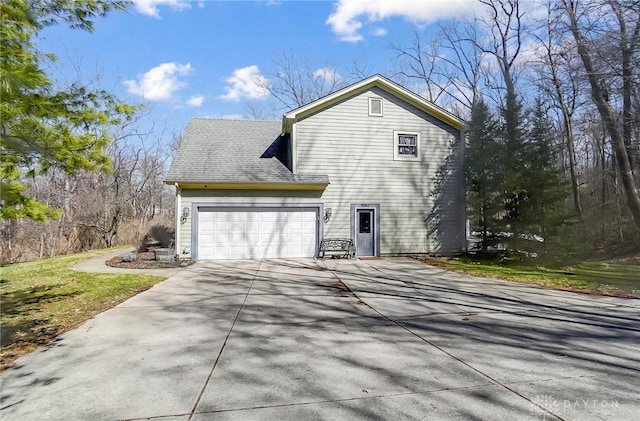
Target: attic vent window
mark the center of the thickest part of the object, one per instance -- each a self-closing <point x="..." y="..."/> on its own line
<point x="375" y="107"/>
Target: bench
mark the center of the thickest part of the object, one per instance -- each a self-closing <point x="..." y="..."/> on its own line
<point x="339" y="247"/>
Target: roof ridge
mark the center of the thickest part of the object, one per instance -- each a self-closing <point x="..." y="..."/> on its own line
<point x="236" y="119"/>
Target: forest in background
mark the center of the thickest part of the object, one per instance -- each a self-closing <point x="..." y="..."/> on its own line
<point x="553" y="147"/>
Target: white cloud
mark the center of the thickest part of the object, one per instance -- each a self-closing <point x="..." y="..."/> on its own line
<point x="224" y="116"/>
<point x="233" y="117"/>
<point x="531" y="51"/>
<point x="150" y="7"/>
<point x="329" y="74"/>
<point x="246" y="82"/>
<point x="196" y="100"/>
<point x="347" y="19"/>
<point x="379" y="32"/>
<point x="159" y="83"/>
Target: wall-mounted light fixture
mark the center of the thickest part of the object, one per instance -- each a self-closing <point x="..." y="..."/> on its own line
<point x="185" y="214"/>
<point x="327" y="214"/>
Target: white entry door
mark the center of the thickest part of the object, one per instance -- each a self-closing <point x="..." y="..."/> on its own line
<point x="256" y="233"/>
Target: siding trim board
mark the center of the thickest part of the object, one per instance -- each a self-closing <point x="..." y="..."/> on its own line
<point x="177" y="220"/>
<point x="197" y="207"/>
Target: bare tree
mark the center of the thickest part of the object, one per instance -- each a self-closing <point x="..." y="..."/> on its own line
<point x="296" y="83"/>
<point x="505" y="26"/>
<point x="621" y="21"/>
<point x="559" y="78"/>
<point x="447" y="71"/>
<point x="133" y="191"/>
<point x="464" y="63"/>
<point x="421" y="63"/>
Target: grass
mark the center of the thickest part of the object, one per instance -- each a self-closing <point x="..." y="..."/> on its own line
<point x="43" y="298"/>
<point x="606" y="278"/>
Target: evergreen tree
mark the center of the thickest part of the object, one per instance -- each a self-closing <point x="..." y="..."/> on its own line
<point x="544" y="211"/>
<point x="532" y="189"/>
<point x="42" y="127"/>
<point x="483" y="174"/>
<point x="515" y="192"/>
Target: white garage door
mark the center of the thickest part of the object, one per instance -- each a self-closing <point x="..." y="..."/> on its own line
<point x="256" y="233"/>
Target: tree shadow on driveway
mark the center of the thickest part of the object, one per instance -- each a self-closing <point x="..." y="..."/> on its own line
<point x="289" y="340"/>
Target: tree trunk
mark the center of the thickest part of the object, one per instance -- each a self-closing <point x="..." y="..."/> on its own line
<point x="617" y="138"/>
<point x="573" y="165"/>
<point x="627" y="46"/>
<point x="567" y="116"/>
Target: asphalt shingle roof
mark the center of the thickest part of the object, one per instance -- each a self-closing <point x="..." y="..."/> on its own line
<point x="220" y="150"/>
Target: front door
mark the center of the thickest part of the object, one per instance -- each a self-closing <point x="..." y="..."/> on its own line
<point x="365" y="232"/>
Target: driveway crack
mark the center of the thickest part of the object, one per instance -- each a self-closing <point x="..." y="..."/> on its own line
<point x="461" y="361"/>
<point x="215" y="363"/>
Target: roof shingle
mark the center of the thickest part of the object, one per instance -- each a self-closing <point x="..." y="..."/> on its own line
<point x="220" y="150"/>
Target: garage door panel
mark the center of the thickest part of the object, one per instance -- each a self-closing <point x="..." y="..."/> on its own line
<point x="235" y="216"/>
<point x="252" y="237"/>
<point x="222" y="238"/>
<point x="221" y="225"/>
<point x="308" y="238"/>
<point x="252" y="234"/>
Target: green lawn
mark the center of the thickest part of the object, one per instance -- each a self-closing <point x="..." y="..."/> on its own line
<point x="621" y="279"/>
<point x="44" y="298"/>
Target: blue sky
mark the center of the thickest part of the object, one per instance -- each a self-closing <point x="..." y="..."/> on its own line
<point x="191" y="59"/>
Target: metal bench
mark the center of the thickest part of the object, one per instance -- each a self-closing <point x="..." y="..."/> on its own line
<point x="338" y="247"/>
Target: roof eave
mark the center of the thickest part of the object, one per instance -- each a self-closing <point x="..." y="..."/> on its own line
<point x="251" y="185"/>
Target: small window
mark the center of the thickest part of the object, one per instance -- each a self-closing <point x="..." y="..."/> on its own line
<point x="406" y="145"/>
<point x="375" y="107"/>
<point x="365" y="222"/>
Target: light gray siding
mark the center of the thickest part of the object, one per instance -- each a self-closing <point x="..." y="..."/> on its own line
<point x="421" y="203"/>
<point x="356" y="151"/>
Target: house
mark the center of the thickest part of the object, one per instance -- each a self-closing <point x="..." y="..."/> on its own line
<point x="373" y="162"/>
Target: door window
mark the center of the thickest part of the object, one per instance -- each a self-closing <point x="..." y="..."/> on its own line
<point x="365" y="222"/>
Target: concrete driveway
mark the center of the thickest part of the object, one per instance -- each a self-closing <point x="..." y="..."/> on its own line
<point x="338" y="339"/>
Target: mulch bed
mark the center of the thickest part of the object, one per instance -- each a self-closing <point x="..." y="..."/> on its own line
<point x="146" y="260"/>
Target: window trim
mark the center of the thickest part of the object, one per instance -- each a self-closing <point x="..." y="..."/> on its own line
<point x="371" y="113"/>
<point x="397" y="156"/>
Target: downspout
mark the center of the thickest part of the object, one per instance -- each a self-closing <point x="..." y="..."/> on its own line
<point x="463" y="191"/>
<point x="177" y="219"/>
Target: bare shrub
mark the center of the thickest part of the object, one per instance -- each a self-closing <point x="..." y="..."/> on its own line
<point x="163" y="234"/>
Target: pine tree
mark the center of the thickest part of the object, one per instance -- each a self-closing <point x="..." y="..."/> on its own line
<point x="42" y="127"/>
<point x="544" y="211"/>
<point x="483" y="165"/>
<point x="515" y="191"/>
<point x="532" y="189"/>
